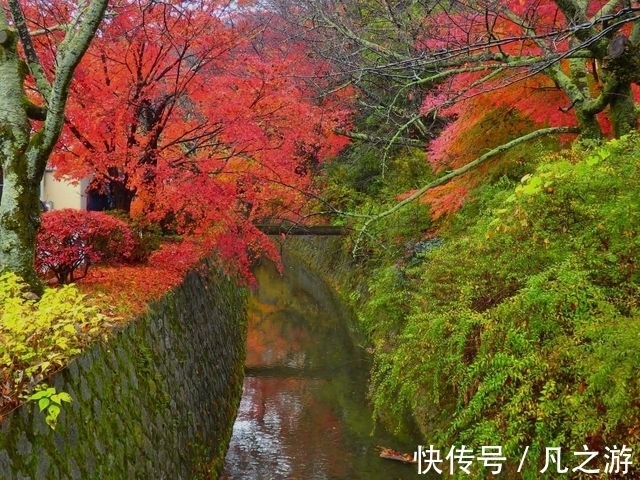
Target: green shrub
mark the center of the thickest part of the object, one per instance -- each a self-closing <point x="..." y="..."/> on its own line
<point x="38" y="338"/>
<point x="524" y="329"/>
<point x="147" y="237"/>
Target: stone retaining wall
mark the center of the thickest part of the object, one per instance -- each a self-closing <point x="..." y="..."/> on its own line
<point x="157" y="402"/>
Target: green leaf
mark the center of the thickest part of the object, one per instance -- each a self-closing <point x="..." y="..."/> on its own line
<point x="52" y="416"/>
<point x="533" y="185"/>
<point x="65" y="397"/>
<point x="592" y="160"/>
<point x="54" y="411"/>
<point x="43" y="403"/>
<point x="39" y="395"/>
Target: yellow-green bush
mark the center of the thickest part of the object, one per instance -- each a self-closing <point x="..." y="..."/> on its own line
<point x="39" y="337"/>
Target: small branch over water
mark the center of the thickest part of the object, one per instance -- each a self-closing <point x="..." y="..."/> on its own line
<point x="456" y="173"/>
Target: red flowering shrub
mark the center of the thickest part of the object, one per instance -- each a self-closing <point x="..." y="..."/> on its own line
<point x="69" y="241"/>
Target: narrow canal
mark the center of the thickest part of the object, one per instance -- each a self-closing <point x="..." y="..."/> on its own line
<point x="304" y="413"/>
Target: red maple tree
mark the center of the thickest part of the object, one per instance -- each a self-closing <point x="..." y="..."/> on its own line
<point x="499" y="72"/>
<point x="202" y="119"/>
<point x="524" y="60"/>
<point x="437" y="68"/>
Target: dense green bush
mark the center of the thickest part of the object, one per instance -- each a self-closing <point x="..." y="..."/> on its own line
<point x="523" y="328"/>
<point x="147" y="237"/>
<point x="364" y="173"/>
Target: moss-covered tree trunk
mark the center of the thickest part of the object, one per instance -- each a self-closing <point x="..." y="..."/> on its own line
<point x="623" y="111"/>
<point x="19" y="222"/>
<point x="23" y="152"/>
<point x="19" y="204"/>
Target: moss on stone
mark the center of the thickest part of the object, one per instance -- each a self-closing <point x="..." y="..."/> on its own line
<point x="131" y="416"/>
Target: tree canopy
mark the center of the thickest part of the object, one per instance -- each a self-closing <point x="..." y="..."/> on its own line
<point x="206" y="120"/>
<point x="427" y="71"/>
<point x="199" y="116"/>
<point x="210" y="116"/>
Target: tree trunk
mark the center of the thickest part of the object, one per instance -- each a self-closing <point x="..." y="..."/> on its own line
<point x="24" y="153"/>
<point x="623" y="111"/>
<point x="121" y="196"/>
<point x="622" y="64"/>
<point x="19" y="222"/>
<point x="19" y="204"/>
<point x="588" y="124"/>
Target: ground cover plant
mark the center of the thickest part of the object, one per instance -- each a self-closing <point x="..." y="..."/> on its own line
<point x="530" y="337"/>
<point x="60" y="325"/>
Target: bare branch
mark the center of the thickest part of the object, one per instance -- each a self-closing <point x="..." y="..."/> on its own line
<point x="462" y="170"/>
<point x="409" y="142"/>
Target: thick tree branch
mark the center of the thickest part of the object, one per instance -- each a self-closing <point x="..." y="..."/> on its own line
<point x="76" y="133"/>
<point x="410" y="142"/>
<point x="35" y="67"/>
<point x="575" y="14"/>
<point x="70" y="53"/>
<point x="607" y="9"/>
<point x="599" y="103"/>
<point x="456" y="173"/>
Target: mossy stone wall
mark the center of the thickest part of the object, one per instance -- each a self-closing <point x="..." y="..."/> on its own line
<point x="329" y="257"/>
<point x="158" y="401"/>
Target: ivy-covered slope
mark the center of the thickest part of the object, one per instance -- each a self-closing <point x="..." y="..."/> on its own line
<point x="518" y="325"/>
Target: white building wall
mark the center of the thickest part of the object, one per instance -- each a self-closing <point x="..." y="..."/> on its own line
<point x="62" y="193"/>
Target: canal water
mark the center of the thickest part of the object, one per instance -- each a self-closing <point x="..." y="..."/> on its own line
<point x="304" y="413"/>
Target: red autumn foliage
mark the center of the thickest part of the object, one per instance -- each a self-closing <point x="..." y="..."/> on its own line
<point x="205" y="120"/>
<point x="132" y="287"/>
<point x="69" y="241"/>
<point x="507" y="57"/>
<point x="486" y="121"/>
<point x="523" y="107"/>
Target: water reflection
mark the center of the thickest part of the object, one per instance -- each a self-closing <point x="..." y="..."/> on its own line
<point x="303" y="413"/>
